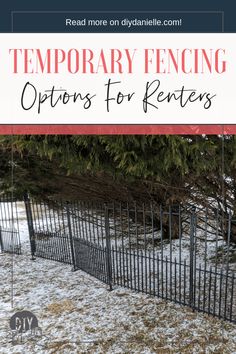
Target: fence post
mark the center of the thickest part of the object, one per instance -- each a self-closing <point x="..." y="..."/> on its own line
<point x="192" y="241"/>
<point x="29" y="216"/>
<point x="108" y="248"/>
<point x="70" y="236"/>
<point x="227" y="263"/>
<point x="1" y="242"/>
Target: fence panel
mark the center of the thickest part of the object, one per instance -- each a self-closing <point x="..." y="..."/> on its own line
<point x="177" y="253"/>
<point x="89" y="227"/>
<point x="48" y="230"/>
<point x="9" y="225"/>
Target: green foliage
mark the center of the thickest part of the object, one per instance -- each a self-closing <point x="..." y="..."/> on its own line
<point x="184" y="162"/>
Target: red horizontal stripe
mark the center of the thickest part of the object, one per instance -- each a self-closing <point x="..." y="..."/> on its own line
<point x="117" y="129"/>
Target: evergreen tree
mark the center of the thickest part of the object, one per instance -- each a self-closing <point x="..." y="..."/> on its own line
<point x="165" y="169"/>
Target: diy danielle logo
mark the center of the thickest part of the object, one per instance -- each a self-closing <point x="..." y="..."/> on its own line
<point x="24" y="325"/>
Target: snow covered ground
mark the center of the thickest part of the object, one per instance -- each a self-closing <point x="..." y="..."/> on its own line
<point x="78" y="314"/>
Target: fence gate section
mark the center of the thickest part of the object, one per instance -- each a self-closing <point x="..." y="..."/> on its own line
<point x="9" y="225"/>
<point x="89" y="223"/>
<point x="69" y="233"/>
<point x="48" y="230"/>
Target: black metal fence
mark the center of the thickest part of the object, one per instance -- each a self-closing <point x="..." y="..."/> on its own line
<point x="9" y="225"/>
<point x="176" y="253"/>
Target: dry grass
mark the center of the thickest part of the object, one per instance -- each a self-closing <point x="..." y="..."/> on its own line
<point x="57" y="308"/>
<point x="59" y="347"/>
